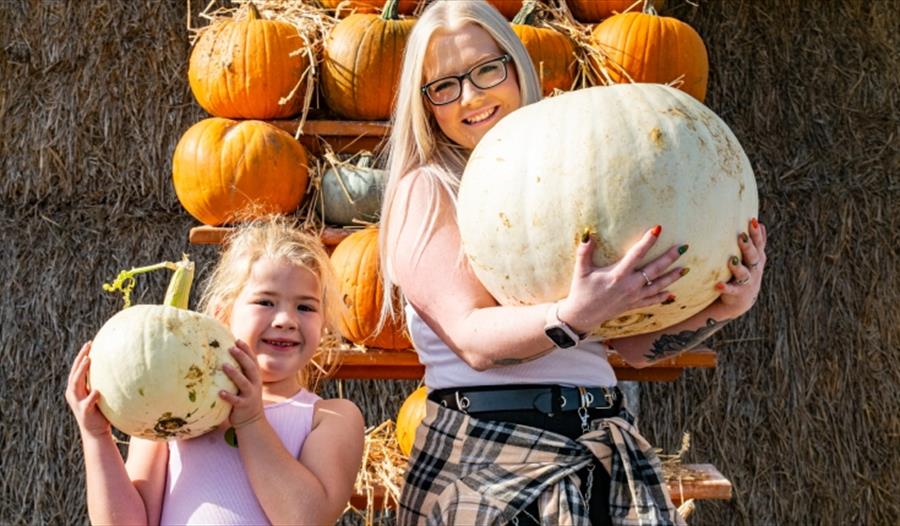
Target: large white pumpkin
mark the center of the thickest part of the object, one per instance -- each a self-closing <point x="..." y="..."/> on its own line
<point x="616" y="160"/>
<point x="159" y="371"/>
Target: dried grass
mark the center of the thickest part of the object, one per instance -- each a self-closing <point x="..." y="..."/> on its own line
<point x="800" y="413"/>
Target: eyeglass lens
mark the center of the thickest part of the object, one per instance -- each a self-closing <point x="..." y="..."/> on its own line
<point x="483" y="76"/>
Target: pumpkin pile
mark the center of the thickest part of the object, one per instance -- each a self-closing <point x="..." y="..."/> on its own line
<point x="240" y="163"/>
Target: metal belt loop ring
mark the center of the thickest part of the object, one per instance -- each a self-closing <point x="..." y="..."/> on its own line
<point x="462" y="403"/>
<point x="646" y="278"/>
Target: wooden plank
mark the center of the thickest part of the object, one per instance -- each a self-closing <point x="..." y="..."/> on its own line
<point x="341" y="136"/>
<point x="213" y="235"/>
<point x="404" y="365"/>
<point x="686" y="481"/>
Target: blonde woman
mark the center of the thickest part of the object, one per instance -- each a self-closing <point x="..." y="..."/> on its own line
<point x="524" y="422"/>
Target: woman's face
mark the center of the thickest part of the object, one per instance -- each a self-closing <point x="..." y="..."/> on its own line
<point x="467" y="119"/>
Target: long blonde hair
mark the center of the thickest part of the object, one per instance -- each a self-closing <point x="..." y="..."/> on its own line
<point x="416" y="141"/>
<point x="274" y="237"/>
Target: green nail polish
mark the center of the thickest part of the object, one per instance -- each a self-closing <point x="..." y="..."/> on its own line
<point x="586" y="235"/>
<point x="684" y="271"/>
<point x="735" y="261"/>
<point x="744" y="237"/>
<point x="682" y="249"/>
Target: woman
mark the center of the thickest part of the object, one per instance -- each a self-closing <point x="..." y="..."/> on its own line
<point x="515" y="424"/>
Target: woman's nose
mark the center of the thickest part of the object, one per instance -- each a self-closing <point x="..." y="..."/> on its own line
<point x="469" y="92"/>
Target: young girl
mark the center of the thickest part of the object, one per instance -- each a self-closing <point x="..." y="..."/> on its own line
<point x="297" y="455"/>
<point x="517" y="429"/>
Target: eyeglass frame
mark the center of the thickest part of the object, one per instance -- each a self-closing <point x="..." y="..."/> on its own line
<point x="505" y="59"/>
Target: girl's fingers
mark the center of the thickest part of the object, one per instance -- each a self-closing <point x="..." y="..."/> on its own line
<point x="237" y="376"/>
<point x="637" y="252"/>
<point x="245" y="358"/>
<point x="229" y="397"/>
<point x="79" y="358"/>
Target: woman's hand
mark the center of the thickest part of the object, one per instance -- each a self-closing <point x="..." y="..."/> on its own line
<point x="739" y="294"/>
<point x="599" y="294"/>
<point x="82" y="401"/>
<point x="246" y="405"/>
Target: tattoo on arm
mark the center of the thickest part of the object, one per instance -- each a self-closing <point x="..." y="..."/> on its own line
<point x="671" y="344"/>
<point x="505" y="362"/>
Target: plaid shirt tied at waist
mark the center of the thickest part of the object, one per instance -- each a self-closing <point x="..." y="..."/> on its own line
<point x="466" y="471"/>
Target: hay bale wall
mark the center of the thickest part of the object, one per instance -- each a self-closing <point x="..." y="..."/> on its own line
<point x="800" y="413"/>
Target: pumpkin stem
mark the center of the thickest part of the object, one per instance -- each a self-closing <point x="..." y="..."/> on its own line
<point x="390" y="10"/>
<point x="252" y="12"/>
<point x="179" y="286"/>
<point x="527" y="15"/>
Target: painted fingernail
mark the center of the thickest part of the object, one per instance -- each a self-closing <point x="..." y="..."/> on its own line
<point x="735" y="261"/>
<point x="656" y="230"/>
<point x="720" y="286"/>
<point x="744" y="237"/>
<point x="684" y="271"/>
<point x="586" y="235"/>
<point x="682" y="249"/>
<point x="669" y="300"/>
<point x="755" y="223"/>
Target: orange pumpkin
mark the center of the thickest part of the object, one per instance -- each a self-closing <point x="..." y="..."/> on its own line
<point x="411" y="414"/>
<point x="225" y="170"/>
<point x="644" y="47"/>
<point x="404" y="7"/>
<point x="507" y="8"/>
<point x="593" y="11"/>
<point x="552" y="52"/>
<point x="241" y="69"/>
<point x="361" y="67"/>
<point x="356" y="264"/>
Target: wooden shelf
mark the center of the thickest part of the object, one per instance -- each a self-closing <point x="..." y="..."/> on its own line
<point x="213" y="235"/>
<point x="341" y="136"/>
<point x="404" y="365"/>
<point x="686" y="481"/>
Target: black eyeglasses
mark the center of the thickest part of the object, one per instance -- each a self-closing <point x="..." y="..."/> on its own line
<point x="483" y="76"/>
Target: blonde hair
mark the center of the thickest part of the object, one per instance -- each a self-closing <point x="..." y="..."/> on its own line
<point x="416" y="141"/>
<point x="275" y="237"/>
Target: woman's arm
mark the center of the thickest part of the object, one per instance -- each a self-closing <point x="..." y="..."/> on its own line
<point x="449" y="297"/>
<point x="313" y="489"/>
<point x="737" y="297"/>
<point x="115" y="494"/>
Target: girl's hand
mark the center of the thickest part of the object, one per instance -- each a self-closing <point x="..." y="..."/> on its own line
<point x="82" y="401"/>
<point x="741" y="292"/>
<point x="601" y="294"/>
<point x="246" y="405"/>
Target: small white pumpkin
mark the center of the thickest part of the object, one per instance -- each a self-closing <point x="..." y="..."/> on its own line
<point x="616" y="160"/>
<point x="352" y="193"/>
<point x="158" y="369"/>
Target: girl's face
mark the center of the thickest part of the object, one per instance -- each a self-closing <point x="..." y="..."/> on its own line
<point x="467" y="119"/>
<point x="279" y="314"/>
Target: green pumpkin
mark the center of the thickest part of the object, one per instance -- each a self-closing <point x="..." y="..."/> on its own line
<point x="352" y="192"/>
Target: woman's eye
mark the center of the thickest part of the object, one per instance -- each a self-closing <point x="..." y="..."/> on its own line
<point x="442" y="86"/>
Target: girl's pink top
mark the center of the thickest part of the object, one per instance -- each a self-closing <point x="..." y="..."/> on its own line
<point x="206" y="482"/>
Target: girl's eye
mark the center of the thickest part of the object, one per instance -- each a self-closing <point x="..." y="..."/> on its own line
<point x="306" y="308"/>
<point x="442" y="86"/>
<point x="264" y="303"/>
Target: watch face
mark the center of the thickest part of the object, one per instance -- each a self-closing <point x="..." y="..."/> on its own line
<point x="559" y="337"/>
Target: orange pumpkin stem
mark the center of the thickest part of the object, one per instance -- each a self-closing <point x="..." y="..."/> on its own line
<point x="390" y="10"/>
<point x="252" y="12"/>
<point x="527" y="15"/>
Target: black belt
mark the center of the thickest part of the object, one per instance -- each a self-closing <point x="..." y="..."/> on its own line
<point x="547" y="399"/>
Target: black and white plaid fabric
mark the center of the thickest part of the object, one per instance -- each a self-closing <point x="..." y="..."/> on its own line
<point x="466" y="471"/>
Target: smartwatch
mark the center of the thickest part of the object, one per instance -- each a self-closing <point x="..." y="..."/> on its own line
<point x="559" y="331"/>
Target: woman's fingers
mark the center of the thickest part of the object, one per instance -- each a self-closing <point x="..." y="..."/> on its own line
<point x="750" y="256"/>
<point x="584" y="255"/>
<point x="658" y="266"/>
<point x="637" y="252"/>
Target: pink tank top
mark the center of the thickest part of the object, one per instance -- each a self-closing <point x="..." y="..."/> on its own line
<point x="206" y="482"/>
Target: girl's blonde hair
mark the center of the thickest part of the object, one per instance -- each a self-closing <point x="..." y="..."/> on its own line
<point x="275" y="237"/>
<point x="416" y="140"/>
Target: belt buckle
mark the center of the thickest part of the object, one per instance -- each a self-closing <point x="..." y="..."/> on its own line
<point x="462" y="402"/>
<point x="610" y="397"/>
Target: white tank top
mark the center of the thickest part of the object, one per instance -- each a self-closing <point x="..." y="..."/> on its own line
<point x="206" y="482"/>
<point x="583" y="365"/>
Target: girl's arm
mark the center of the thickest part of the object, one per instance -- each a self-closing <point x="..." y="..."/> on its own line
<point x="313" y="489"/>
<point x="737" y="297"/>
<point x="438" y="282"/>
<point x="115" y="494"/>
